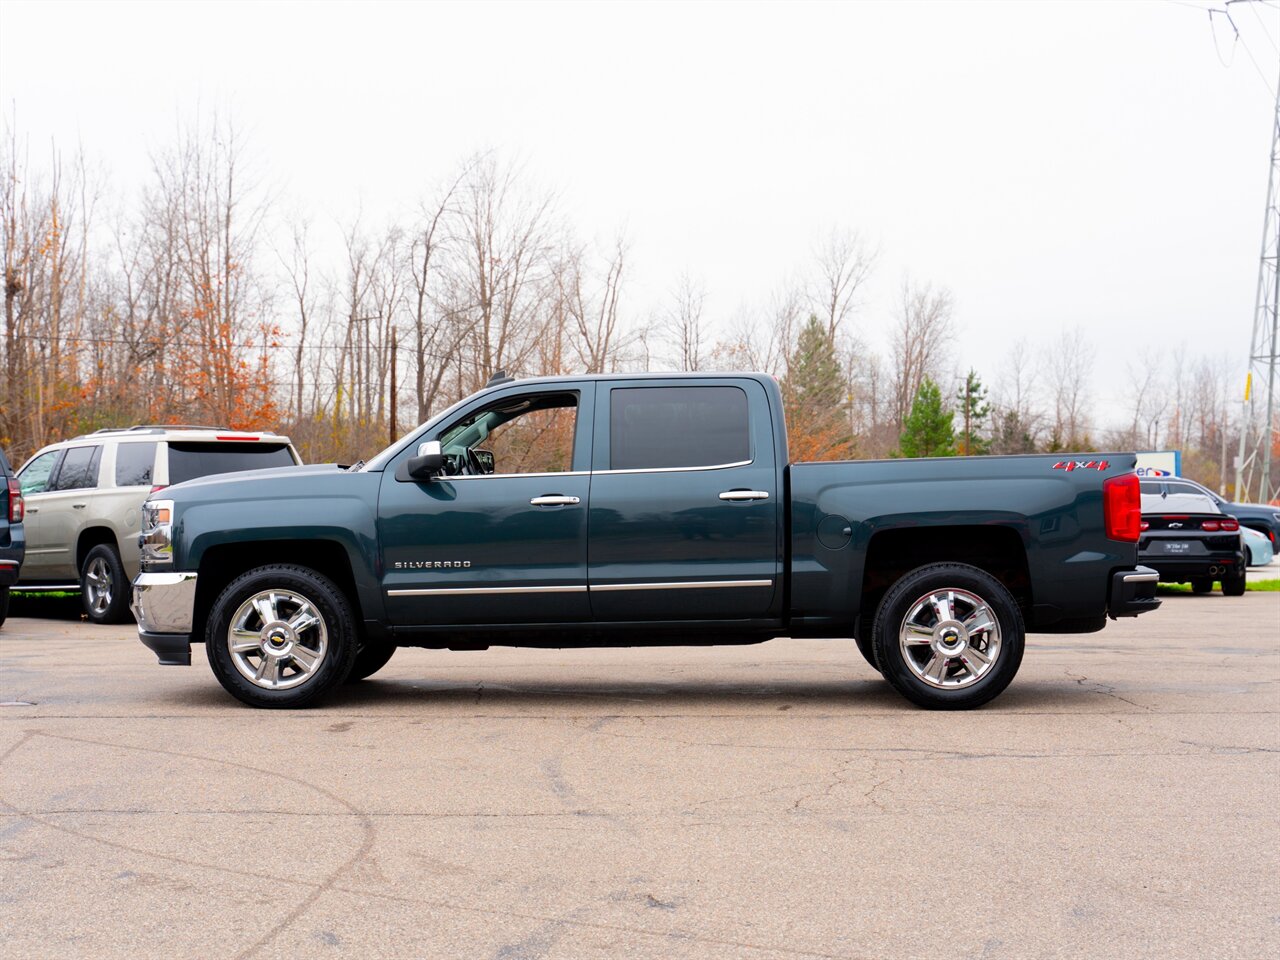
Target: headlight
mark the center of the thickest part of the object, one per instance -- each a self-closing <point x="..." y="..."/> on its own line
<point x="156" y="538"/>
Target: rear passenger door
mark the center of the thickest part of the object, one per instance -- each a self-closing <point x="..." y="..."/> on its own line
<point x="684" y="502"/>
<point x="62" y="512"/>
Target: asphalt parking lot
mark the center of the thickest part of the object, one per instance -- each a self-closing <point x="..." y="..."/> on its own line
<point x="1119" y="800"/>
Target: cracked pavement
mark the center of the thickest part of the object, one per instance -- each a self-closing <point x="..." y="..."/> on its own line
<point x="1121" y="799"/>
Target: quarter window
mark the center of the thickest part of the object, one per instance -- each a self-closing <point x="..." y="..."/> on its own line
<point x="35" y="478"/>
<point x="663" y="427"/>
<point x="134" y="462"/>
<point x="79" y="470"/>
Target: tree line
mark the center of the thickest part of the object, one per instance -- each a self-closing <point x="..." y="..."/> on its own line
<point x="198" y="301"/>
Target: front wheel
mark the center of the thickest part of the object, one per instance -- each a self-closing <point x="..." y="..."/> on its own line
<point x="281" y="636"/>
<point x="104" y="588"/>
<point x="949" y="636"/>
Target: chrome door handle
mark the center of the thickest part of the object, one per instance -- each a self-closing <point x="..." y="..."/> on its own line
<point x="745" y="495"/>
<point x="554" y="500"/>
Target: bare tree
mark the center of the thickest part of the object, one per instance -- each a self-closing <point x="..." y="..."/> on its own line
<point x="682" y="323"/>
<point x="842" y="264"/>
<point x="591" y="306"/>
<point x="1068" y="362"/>
<point x="921" y="340"/>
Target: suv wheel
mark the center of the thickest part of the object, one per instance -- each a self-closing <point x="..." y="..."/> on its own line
<point x="1233" y="585"/>
<point x="281" y="636"/>
<point x="104" y="588"/>
<point x="949" y="636"/>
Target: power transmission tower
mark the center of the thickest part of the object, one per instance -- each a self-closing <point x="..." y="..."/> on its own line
<point x="1257" y="439"/>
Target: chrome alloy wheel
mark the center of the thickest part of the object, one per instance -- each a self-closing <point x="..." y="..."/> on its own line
<point x="277" y="639"/>
<point x="950" y="638"/>
<point x="98" y="585"/>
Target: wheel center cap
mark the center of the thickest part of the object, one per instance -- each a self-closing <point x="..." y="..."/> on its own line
<point x="277" y="638"/>
<point x="950" y="637"/>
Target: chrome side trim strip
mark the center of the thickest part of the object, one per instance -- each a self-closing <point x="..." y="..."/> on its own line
<point x="714" y="466"/>
<point x="1141" y="577"/>
<point x="509" y="476"/>
<point x="681" y="585"/>
<point x="461" y="591"/>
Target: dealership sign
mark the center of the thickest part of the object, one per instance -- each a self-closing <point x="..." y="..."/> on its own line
<point x="1160" y="463"/>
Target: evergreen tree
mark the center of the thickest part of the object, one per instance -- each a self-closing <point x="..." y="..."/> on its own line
<point x="813" y="395"/>
<point x="973" y="409"/>
<point x="1011" y="434"/>
<point x="927" y="431"/>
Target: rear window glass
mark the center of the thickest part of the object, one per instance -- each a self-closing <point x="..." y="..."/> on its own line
<point x="656" y="427"/>
<point x="79" y="470"/>
<point x="187" y="461"/>
<point x="133" y="464"/>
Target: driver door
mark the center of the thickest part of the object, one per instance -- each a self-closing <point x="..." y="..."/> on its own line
<point x="501" y="536"/>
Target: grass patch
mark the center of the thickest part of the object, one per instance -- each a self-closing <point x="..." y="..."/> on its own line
<point x="1253" y="586"/>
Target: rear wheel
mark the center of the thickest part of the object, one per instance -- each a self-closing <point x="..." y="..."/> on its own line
<point x="104" y="588"/>
<point x="281" y="636"/>
<point x="1201" y="586"/>
<point x="949" y="636"/>
<point x="1233" y="585"/>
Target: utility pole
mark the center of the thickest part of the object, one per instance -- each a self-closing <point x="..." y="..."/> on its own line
<point x="1262" y="346"/>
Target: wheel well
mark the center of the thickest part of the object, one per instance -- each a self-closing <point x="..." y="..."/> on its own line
<point x="222" y="564"/>
<point x="997" y="550"/>
<point x="90" y="538"/>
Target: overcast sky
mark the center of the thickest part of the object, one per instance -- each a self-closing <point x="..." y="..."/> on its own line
<point x="1100" y="165"/>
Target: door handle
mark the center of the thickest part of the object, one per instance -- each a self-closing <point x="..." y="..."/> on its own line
<point x="79" y="506"/>
<point x="31" y="509"/>
<point x="745" y="495"/>
<point x="554" y="500"/>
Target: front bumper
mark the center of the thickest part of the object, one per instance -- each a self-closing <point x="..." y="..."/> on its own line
<point x="1132" y="592"/>
<point x="164" y="605"/>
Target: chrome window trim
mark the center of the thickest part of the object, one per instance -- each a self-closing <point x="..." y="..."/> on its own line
<point x="712" y="466"/>
<point x="509" y="476"/>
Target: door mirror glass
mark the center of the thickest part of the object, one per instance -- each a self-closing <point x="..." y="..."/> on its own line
<point x="485" y="460"/>
<point x="428" y="461"/>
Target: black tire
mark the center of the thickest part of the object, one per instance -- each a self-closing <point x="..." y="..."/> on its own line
<point x="371" y="658"/>
<point x="964" y="681"/>
<point x="1201" y="586"/>
<point x="297" y="595"/>
<point x="4" y="605"/>
<point x="1233" y="586"/>
<point x="867" y="647"/>
<point x="104" y="587"/>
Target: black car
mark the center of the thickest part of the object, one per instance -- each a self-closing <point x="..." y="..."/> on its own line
<point x="1260" y="516"/>
<point x="1187" y="539"/>
<point x="13" y="541"/>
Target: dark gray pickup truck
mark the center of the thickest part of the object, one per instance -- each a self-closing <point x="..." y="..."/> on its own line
<point x="628" y="511"/>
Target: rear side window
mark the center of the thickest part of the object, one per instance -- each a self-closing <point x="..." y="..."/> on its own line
<point x="656" y="427"/>
<point x="187" y="461"/>
<point x="133" y="464"/>
<point x="1150" y="488"/>
<point x="79" y="470"/>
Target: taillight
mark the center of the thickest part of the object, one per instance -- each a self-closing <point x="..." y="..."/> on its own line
<point x="1122" y="507"/>
<point x="1143" y="525"/>
<point x="1229" y="524"/>
<point x="1210" y="525"/>
<point x="17" y="509"/>
<point x="157" y="488"/>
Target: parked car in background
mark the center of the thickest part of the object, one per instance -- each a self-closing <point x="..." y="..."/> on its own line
<point x="1187" y="539"/>
<point x="1258" y="551"/>
<point x="1260" y="516"/>
<point x="83" y="498"/>
<point x="12" y="533"/>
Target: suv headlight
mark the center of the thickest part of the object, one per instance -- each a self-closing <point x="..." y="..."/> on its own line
<point x="156" y="538"/>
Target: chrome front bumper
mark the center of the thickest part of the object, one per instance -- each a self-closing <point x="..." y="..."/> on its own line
<point x="164" y="602"/>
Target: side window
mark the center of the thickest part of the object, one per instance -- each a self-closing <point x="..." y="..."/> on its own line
<point x="79" y="470"/>
<point x="527" y="434"/>
<point x="656" y="427"/>
<point x="1150" y="488"/>
<point x="35" y="477"/>
<point x="134" y="462"/>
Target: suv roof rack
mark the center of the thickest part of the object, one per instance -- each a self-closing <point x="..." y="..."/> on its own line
<point x="500" y="376"/>
<point x="154" y="428"/>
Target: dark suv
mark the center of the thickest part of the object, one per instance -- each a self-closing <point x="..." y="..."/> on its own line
<point x="13" y="540"/>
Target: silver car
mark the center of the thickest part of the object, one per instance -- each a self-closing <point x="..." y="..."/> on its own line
<point x="83" y="499"/>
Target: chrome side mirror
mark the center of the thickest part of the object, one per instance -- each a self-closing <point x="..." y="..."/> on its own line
<point x="428" y="462"/>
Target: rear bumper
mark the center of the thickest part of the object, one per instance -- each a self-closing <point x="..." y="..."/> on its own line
<point x="1132" y="592"/>
<point x="9" y="568"/>
<point x="171" y="649"/>
<point x="1212" y="567"/>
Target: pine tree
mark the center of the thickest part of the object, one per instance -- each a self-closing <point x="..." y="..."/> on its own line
<point x="927" y="431"/>
<point x="812" y="395"/>
<point x="972" y="406"/>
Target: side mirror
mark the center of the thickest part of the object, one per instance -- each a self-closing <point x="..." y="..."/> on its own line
<point x="485" y="460"/>
<point x="428" y="461"/>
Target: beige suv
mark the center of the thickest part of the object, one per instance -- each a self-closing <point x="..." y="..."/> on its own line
<point x="83" y="498"/>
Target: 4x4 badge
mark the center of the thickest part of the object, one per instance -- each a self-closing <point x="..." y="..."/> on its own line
<point x="1070" y="465"/>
